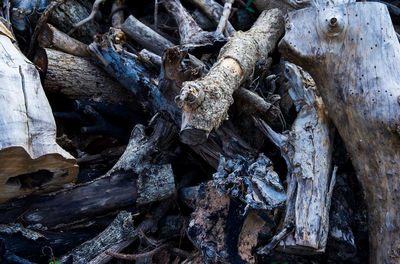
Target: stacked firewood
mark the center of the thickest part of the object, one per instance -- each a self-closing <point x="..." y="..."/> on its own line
<point x="183" y="136"/>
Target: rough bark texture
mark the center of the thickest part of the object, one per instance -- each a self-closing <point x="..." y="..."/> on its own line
<point x="121" y="229"/>
<point x="70" y="13"/>
<point x="145" y="36"/>
<point x="205" y="102"/>
<point x="307" y="149"/>
<point x="50" y="37"/>
<point x="31" y="160"/>
<point x="189" y="31"/>
<point x="353" y="55"/>
<point x="136" y="178"/>
<point x="77" y="78"/>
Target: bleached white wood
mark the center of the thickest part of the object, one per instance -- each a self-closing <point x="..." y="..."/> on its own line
<point x="27" y="130"/>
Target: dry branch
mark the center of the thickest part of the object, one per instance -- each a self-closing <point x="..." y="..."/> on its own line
<point x="307" y="150"/>
<point x="50" y="37"/>
<point x="121" y="229"/>
<point x="189" y="31"/>
<point x="214" y="11"/>
<point x="145" y="36"/>
<point x="205" y="102"/>
<point x="71" y="12"/>
<point x="353" y="55"/>
<point x="78" y="78"/>
<point x="224" y="17"/>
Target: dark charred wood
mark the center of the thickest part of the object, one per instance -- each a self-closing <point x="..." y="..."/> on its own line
<point x="139" y="177"/>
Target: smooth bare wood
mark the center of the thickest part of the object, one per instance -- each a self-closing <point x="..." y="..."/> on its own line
<point x="30" y="159"/>
<point x="51" y="37"/>
<point x="353" y="55"/>
<point x="77" y="78"/>
<point x="145" y="36"/>
<point x="205" y="102"/>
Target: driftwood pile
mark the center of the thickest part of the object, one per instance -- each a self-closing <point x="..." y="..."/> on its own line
<point x="178" y="132"/>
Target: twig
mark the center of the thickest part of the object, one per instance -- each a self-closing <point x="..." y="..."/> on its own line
<point x="276" y="239"/>
<point x="136" y="256"/>
<point x="42" y="21"/>
<point x="155" y="14"/>
<point x="95" y="10"/>
<point x="224" y="17"/>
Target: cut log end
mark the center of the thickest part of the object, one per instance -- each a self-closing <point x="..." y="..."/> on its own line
<point x="193" y="136"/>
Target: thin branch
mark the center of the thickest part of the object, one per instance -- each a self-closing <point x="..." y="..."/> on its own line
<point x="42" y="21"/>
<point x="155" y="14"/>
<point x="95" y="10"/>
<point x="276" y="239"/>
<point x="225" y="16"/>
<point x="136" y="256"/>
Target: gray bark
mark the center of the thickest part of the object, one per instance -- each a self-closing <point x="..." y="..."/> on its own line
<point x="205" y="102"/>
<point x="145" y="36"/>
<point x="307" y="149"/>
<point x="353" y="55"/>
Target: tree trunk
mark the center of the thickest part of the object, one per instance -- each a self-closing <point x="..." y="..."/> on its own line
<point x="353" y="55"/>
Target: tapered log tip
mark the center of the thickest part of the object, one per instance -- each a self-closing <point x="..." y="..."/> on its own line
<point x="193" y="136"/>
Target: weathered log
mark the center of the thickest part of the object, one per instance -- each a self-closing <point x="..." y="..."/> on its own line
<point x="31" y="160"/>
<point x="189" y="31"/>
<point x="137" y="178"/>
<point x="205" y="102"/>
<point x="145" y="36"/>
<point x="214" y="11"/>
<point x="70" y="13"/>
<point x="137" y="77"/>
<point x="362" y="98"/>
<point x="120" y="230"/>
<point x="307" y="150"/>
<point x="144" y="227"/>
<point x="78" y="78"/>
<point x="50" y="37"/>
